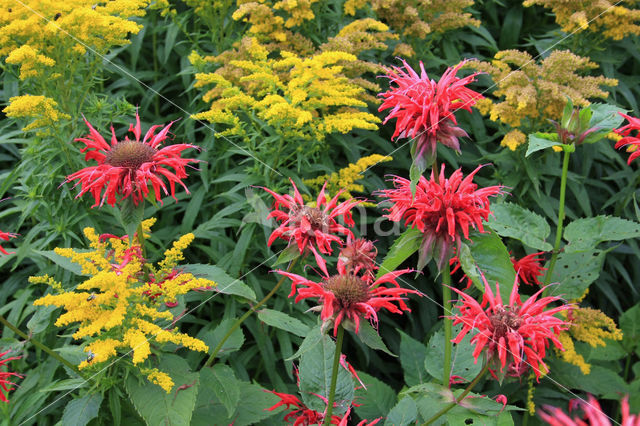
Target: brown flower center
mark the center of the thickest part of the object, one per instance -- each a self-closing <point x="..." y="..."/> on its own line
<point x="316" y="217"/>
<point x="130" y="154"/>
<point x="503" y="320"/>
<point x="348" y="289"/>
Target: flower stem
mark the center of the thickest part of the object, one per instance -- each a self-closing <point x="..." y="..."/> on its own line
<point x="240" y="320"/>
<point x="334" y="375"/>
<point x="36" y="343"/>
<point x="563" y="191"/>
<point x="461" y="397"/>
<point x="448" y="322"/>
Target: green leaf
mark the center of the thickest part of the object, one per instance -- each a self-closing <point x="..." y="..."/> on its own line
<point x="415" y="173"/>
<point x="376" y="400"/>
<point x="406" y="244"/>
<point x="605" y="116"/>
<point x="492" y="258"/>
<point x="287" y="255"/>
<point x="462" y="361"/>
<point x="574" y="272"/>
<point x="404" y="413"/>
<point x="131" y="216"/>
<point x="254" y="408"/>
<point x="158" y="407"/>
<point x="41" y="319"/>
<point x="540" y="141"/>
<point x="412" y="356"/>
<point x="82" y="410"/>
<point x="585" y="234"/>
<point x="233" y="343"/>
<point x="511" y="220"/>
<point x="62" y="261"/>
<point x="221" y="381"/>
<point x="66" y="384"/>
<point x="316" y="368"/>
<point x="630" y="326"/>
<point x="600" y="381"/>
<point x="283" y="321"/>
<point x="370" y="337"/>
<point x="313" y="338"/>
<point x="226" y="284"/>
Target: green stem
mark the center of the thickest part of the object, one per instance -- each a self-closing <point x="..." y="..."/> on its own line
<point x="563" y="191"/>
<point x="36" y="343"/>
<point x="334" y="375"/>
<point x="448" y="322"/>
<point x="434" y="168"/>
<point x="240" y="320"/>
<point x="461" y="397"/>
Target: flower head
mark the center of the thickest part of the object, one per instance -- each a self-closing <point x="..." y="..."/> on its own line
<point x="516" y="335"/>
<point x="443" y="209"/>
<point x="592" y="413"/>
<point x="5" y="236"/>
<point x="529" y="268"/>
<point x="5" y="384"/>
<point x="634" y="141"/>
<point x="425" y="109"/>
<point x="349" y="297"/>
<point x="311" y="228"/>
<point x="357" y="256"/>
<point x="126" y="167"/>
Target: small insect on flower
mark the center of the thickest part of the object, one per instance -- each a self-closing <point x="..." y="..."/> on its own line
<point x="90" y="356"/>
<point x="91" y="297"/>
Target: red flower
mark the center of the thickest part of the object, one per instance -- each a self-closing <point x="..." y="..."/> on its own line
<point x="442" y="209"/>
<point x="312" y="228"/>
<point x="593" y="414"/>
<point x="529" y="268"/>
<point x="515" y="336"/>
<point x="424" y="108"/>
<point x="5" y="384"/>
<point x="349" y="297"/>
<point x="127" y="167"/>
<point x="5" y="236"/>
<point x="634" y="124"/>
<point x="359" y="255"/>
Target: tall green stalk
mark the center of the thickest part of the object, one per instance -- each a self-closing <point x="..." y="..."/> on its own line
<point x="240" y="320"/>
<point x="448" y="322"/>
<point x="42" y="346"/>
<point x="334" y="376"/>
<point x="563" y="191"/>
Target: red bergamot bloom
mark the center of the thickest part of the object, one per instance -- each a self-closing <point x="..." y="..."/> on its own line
<point x="126" y="167"/>
<point x="529" y="268"/>
<point x="592" y="414"/>
<point x="5" y="384"/>
<point x="442" y="209"/>
<point x="5" y="236"/>
<point x="345" y="296"/>
<point x="359" y="256"/>
<point x="634" y="141"/>
<point x="516" y="335"/>
<point x="425" y="109"/>
<point x="312" y="228"/>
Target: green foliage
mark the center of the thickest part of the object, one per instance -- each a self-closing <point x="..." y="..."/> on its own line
<point x="513" y="221"/>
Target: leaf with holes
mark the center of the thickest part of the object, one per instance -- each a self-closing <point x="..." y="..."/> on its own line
<point x="574" y="272"/>
<point x="586" y="234"/>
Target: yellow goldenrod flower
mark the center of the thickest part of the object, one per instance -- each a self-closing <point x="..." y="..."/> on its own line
<point x="159" y="378"/>
<point x="514" y="139"/>
<point x="42" y="110"/>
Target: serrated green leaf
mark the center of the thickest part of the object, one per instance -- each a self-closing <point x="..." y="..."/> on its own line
<point x="221" y="381"/>
<point x="606" y="116"/>
<point x="404" y="413"/>
<point x="574" y="272"/>
<point x="492" y="258"/>
<point x="376" y="400"/>
<point x="226" y="283"/>
<point x="412" y="356"/>
<point x="600" y="381"/>
<point x="158" y="407"/>
<point x="316" y="367"/>
<point x="313" y="338"/>
<point x="283" y="321"/>
<point x="370" y="337"/>
<point x="81" y="411"/>
<point x="255" y="408"/>
<point x="462" y="361"/>
<point x="585" y="234"/>
<point x="287" y="255"/>
<point x="540" y="141"/>
<point x="406" y="244"/>
<point x="232" y="344"/>
<point x="511" y="220"/>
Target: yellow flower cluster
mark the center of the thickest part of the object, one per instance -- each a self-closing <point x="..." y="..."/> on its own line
<point x="41" y="109"/>
<point x="118" y="305"/>
<point x="606" y="18"/>
<point x="345" y="179"/>
<point x="534" y="92"/>
<point x="415" y="18"/>
<point x="590" y="326"/>
<point x="302" y="98"/>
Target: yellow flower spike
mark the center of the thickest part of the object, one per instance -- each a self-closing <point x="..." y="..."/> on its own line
<point x="593" y="326"/>
<point x="513" y="139"/>
<point x="531" y="406"/>
<point x="114" y="310"/>
<point x="159" y="378"/>
<point x="43" y="110"/>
